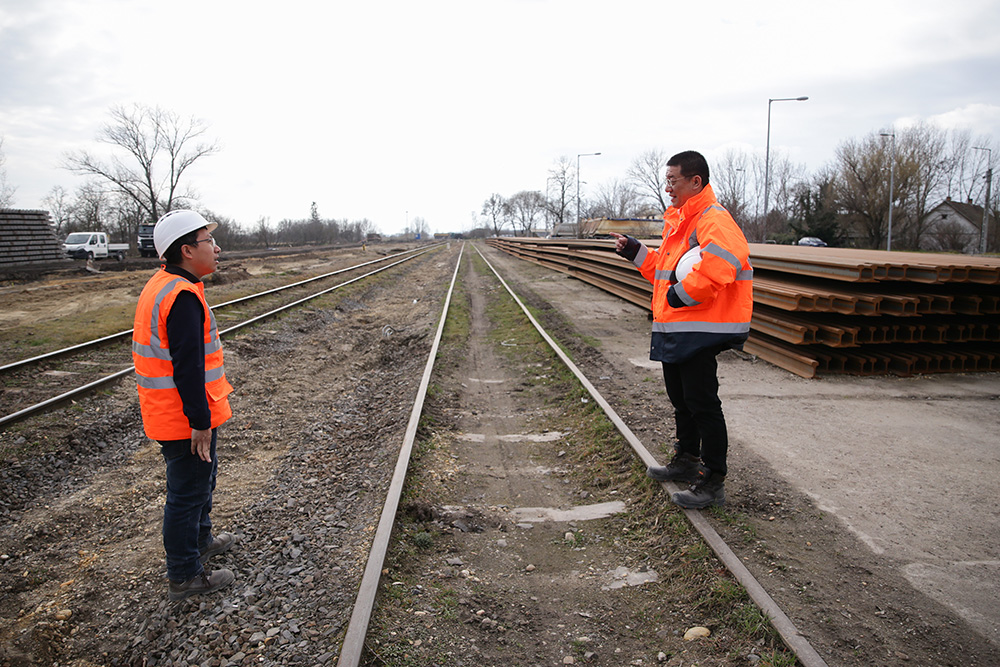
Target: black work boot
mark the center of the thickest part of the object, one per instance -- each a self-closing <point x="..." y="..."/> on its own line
<point x="682" y="468"/>
<point x="707" y="491"/>
<point x="206" y="582"/>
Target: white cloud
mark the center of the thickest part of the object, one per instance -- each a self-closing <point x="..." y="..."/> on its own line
<point x="389" y="110"/>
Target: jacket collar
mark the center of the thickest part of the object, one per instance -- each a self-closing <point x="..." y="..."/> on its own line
<point x="183" y="273"/>
<point x="692" y="207"/>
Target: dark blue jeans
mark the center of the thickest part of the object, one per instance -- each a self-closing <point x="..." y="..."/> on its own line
<point x="187" y="526"/>
<point x="693" y="389"/>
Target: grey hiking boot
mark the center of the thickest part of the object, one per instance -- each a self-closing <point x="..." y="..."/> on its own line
<point x="709" y="490"/>
<point x="206" y="582"/>
<point x="682" y="468"/>
<point x="219" y="544"/>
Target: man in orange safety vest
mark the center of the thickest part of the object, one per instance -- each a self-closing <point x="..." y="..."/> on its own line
<point x="183" y="396"/>
<point x="702" y="303"/>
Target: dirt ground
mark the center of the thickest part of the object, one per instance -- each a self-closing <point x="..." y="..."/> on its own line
<point x="870" y="498"/>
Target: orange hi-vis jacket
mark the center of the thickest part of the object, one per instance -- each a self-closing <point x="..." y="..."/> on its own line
<point x="711" y="307"/>
<point x="160" y="403"/>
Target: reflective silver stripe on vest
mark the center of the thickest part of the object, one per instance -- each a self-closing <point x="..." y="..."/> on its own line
<point x="704" y="327"/>
<point x="167" y="382"/>
<point x="722" y="253"/>
<point x="684" y="296"/>
<point x="745" y="274"/>
<point x="155" y="382"/>
<point x="153" y="350"/>
<point x="662" y="274"/>
<point x="640" y="257"/>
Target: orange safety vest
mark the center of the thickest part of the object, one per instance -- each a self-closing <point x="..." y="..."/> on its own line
<point x="159" y="401"/>
<point x="717" y="295"/>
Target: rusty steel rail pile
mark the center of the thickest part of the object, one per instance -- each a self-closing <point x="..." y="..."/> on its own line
<point x="832" y="310"/>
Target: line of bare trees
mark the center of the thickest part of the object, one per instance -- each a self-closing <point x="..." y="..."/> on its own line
<point x="845" y="203"/>
<point x="145" y="175"/>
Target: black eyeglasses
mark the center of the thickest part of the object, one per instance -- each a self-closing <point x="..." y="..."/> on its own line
<point x="210" y="238"/>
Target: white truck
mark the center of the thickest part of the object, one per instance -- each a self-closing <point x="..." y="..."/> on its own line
<point x="93" y="245"/>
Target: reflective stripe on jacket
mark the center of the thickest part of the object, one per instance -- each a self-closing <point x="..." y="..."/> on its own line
<point x="712" y="306"/>
<point x="162" y="409"/>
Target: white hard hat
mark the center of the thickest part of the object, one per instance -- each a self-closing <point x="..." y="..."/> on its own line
<point x="176" y="224"/>
<point x="688" y="260"/>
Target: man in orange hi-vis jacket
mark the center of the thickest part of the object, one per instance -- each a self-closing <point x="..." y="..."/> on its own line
<point x="184" y="396"/>
<point x="702" y="303"/>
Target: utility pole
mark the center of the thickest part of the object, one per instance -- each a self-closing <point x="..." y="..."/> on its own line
<point x="984" y="232"/>
<point x="892" y="173"/>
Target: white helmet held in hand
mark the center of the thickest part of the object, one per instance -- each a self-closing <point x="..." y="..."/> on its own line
<point x="176" y="224"/>
<point x="687" y="261"/>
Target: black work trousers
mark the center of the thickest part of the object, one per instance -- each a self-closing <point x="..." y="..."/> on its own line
<point x="693" y="389"/>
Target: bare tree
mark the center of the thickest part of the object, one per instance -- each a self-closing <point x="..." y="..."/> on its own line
<point x="159" y="148"/>
<point x="733" y="180"/>
<point x="494" y="209"/>
<point x="263" y="231"/>
<point x="6" y="190"/>
<point x="918" y="168"/>
<point x="89" y="209"/>
<point x="525" y="206"/>
<point x="418" y="226"/>
<point x="616" y="199"/>
<point x="647" y="175"/>
<point x="59" y="206"/>
<point x="559" y="192"/>
<point x="967" y="166"/>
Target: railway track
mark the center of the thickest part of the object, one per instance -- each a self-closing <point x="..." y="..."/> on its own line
<point x="43" y="381"/>
<point x="313" y="527"/>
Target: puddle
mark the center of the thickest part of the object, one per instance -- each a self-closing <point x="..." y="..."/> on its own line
<point x="580" y="513"/>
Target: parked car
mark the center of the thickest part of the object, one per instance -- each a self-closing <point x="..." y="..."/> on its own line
<point x="93" y="245"/>
<point x="812" y="241"/>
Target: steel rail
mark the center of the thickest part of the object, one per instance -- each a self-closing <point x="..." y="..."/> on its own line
<point x="357" y="628"/>
<point x="80" y="391"/>
<point x="804" y="651"/>
<point x="123" y="334"/>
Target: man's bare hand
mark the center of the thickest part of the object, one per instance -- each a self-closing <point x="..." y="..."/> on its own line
<point x="201" y="444"/>
<point x="620" y="241"/>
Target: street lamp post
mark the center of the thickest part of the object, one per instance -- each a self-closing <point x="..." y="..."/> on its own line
<point x="767" y="150"/>
<point x="986" y="202"/>
<point x="578" y="156"/>
<point x="892" y="174"/>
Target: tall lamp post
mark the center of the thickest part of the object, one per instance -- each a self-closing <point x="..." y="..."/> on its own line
<point x="986" y="203"/>
<point x="892" y="174"/>
<point x="767" y="150"/>
<point x="578" y="156"/>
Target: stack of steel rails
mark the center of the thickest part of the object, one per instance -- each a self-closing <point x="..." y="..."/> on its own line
<point x="832" y="310"/>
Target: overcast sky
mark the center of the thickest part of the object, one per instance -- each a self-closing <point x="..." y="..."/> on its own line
<point x="397" y="109"/>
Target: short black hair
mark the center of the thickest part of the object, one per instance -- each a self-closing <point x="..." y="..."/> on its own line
<point x="692" y="163"/>
<point x="173" y="253"/>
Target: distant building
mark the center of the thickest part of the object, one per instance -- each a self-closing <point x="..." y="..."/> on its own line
<point x="955" y="227"/>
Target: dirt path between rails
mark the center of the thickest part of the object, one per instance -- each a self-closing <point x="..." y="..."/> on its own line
<point x="873" y="499"/>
